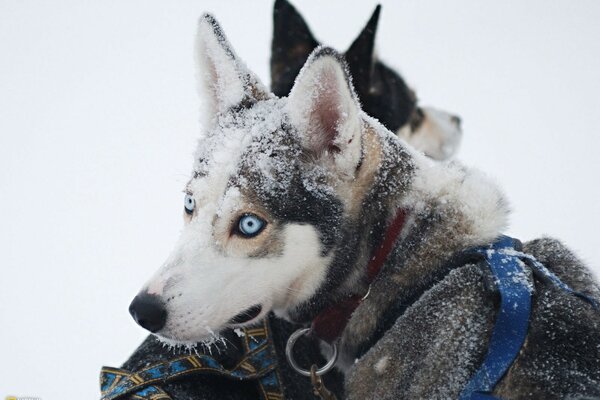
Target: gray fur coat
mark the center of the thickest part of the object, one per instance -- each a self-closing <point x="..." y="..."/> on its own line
<point x="438" y="342"/>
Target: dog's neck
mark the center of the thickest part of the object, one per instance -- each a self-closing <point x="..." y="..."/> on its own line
<point x="450" y="209"/>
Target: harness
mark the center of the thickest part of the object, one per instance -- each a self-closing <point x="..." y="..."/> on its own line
<point x="259" y="362"/>
<point x="512" y="321"/>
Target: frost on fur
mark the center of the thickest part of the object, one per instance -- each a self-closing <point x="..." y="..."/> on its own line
<point x="223" y="80"/>
<point x="213" y="341"/>
<point x="322" y="104"/>
<point x="465" y="191"/>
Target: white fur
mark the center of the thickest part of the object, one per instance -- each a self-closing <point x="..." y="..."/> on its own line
<point x="209" y="283"/>
<point x="454" y="187"/>
<point x="205" y="283"/>
<point x="223" y="79"/>
<point x="381" y="365"/>
<point x="439" y="135"/>
<point x="208" y="288"/>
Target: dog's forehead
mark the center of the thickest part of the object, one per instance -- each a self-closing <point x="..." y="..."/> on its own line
<point x="237" y="132"/>
<point x="258" y="152"/>
<point x="255" y="148"/>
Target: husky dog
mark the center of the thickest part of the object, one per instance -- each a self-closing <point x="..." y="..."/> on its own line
<point x="384" y="89"/>
<point x="381" y="90"/>
<point x="289" y="199"/>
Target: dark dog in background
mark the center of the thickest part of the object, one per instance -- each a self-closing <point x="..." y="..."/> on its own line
<point x="382" y="92"/>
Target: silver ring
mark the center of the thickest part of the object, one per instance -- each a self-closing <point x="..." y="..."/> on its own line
<point x="367" y="294"/>
<point x="290" y="356"/>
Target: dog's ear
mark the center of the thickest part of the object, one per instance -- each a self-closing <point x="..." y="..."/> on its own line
<point x="361" y="54"/>
<point x="292" y="44"/>
<point x="323" y="107"/>
<point x="223" y="79"/>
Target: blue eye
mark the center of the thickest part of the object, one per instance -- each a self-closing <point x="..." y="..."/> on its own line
<point x="250" y="225"/>
<point x="189" y="204"/>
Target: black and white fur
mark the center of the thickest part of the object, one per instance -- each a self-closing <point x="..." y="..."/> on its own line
<point x="327" y="179"/>
<point x="382" y="92"/>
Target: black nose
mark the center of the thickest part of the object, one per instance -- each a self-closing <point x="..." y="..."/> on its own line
<point x="148" y="311"/>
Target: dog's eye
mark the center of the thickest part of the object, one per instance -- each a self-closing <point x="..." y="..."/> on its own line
<point x="250" y="225"/>
<point x="189" y="204"/>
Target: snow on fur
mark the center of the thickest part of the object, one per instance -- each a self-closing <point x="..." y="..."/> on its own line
<point x="223" y="79"/>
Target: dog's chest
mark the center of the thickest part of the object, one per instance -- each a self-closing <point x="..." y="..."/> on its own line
<point x="441" y="338"/>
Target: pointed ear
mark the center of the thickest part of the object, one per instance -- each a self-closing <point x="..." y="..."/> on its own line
<point x="323" y="108"/>
<point x="223" y="79"/>
<point x="292" y="44"/>
<point x="361" y="54"/>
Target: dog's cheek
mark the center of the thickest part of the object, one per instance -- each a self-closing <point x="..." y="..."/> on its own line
<point x="302" y="268"/>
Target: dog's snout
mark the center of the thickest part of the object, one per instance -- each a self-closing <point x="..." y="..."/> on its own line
<point x="456" y="120"/>
<point x="148" y="311"/>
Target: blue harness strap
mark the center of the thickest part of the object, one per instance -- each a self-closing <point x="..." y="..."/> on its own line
<point x="259" y="363"/>
<point x="512" y="321"/>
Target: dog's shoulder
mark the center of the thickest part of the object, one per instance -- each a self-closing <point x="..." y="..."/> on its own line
<point x="437" y="344"/>
<point x="564" y="263"/>
<point x="561" y="355"/>
<point x="453" y="318"/>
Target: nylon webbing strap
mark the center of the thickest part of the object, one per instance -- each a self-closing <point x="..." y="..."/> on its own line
<point x="512" y="321"/>
<point x="259" y="363"/>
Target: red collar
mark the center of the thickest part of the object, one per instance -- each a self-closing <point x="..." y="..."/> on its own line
<point x="330" y="323"/>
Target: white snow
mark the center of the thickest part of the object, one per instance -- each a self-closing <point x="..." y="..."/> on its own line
<point x="239" y="332"/>
<point x="99" y="117"/>
<point x="381" y="365"/>
<point x="472" y="191"/>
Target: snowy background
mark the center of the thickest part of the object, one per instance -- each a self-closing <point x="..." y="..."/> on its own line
<point x="98" y="120"/>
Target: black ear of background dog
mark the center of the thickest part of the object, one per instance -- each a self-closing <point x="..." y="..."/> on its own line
<point x="361" y="53"/>
<point x="382" y="92"/>
<point x="292" y="44"/>
<point x="210" y="387"/>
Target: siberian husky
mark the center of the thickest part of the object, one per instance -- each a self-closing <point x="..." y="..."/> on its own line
<point x="288" y="201"/>
<point x="381" y="90"/>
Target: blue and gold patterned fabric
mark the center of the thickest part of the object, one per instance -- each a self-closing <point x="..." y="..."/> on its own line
<point x="259" y="363"/>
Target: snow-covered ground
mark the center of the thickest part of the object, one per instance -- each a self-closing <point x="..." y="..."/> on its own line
<point x="98" y="119"/>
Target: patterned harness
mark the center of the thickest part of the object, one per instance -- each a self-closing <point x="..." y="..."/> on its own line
<point x="258" y="363"/>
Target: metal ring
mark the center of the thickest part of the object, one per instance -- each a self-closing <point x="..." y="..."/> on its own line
<point x="367" y="294"/>
<point x="289" y="347"/>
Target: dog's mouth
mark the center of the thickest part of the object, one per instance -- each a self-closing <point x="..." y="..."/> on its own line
<point x="247" y="315"/>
